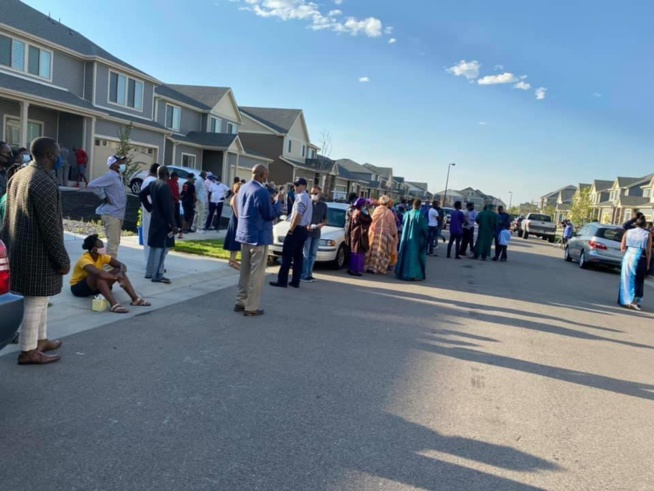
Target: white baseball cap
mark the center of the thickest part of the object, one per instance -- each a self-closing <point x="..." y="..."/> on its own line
<point x="114" y="159"/>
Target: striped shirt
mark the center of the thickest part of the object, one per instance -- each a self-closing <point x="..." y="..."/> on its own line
<point x="110" y="187"/>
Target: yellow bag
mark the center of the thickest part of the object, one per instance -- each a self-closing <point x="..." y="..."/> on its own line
<point x="99" y="304"/>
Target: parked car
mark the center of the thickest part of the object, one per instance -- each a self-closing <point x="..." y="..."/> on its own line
<point x="448" y="216"/>
<point x="11" y="305"/>
<point x="539" y="225"/>
<point x="332" y="248"/>
<point x="596" y="244"/>
<point x="137" y="179"/>
<point x="515" y="225"/>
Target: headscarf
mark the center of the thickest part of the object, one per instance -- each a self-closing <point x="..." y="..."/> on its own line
<point x="384" y="200"/>
<point x="359" y="203"/>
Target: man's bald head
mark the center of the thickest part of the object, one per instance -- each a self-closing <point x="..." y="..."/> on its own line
<point x="260" y="173"/>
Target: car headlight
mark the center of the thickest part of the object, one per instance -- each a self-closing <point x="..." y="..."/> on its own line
<point x="327" y="243"/>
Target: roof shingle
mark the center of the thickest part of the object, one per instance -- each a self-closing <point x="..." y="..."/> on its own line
<point x="280" y="120"/>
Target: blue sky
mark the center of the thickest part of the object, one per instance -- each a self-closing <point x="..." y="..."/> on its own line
<point x="413" y="114"/>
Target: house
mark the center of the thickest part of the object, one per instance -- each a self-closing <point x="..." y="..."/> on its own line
<point x="281" y="135"/>
<point x="386" y="177"/>
<point x="599" y="193"/>
<point x="550" y="200"/>
<point x="400" y="188"/>
<point x="369" y="183"/>
<point x="419" y="190"/>
<point x="474" y="196"/>
<point x="625" y="196"/>
<point x="563" y="203"/>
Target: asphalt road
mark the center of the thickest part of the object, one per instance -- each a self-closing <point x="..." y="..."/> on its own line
<point x="524" y="375"/>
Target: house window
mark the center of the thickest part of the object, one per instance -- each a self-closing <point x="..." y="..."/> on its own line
<point x="304" y="150"/>
<point x="290" y="146"/>
<point x="232" y="129"/>
<point x="12" y="131"/>
<point x="34" y="131"/>
<point x="125" y="91"/>
<point x="25" y="57"/>
<point x="188" y="160"/>
<point x="173" y="117"/>
<point x="215" y="125"/>
<point x="647" y="193"/>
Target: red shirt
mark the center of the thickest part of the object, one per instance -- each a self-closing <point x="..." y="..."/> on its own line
<point x="82" y="157"/>
<point x="174" y="189"/>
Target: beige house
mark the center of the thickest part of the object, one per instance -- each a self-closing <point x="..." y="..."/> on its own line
<point x="625" y="196"/>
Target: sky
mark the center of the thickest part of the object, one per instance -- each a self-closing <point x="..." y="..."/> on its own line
<point x="524" y="97"/>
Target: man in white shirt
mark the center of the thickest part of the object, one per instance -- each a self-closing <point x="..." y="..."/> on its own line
<point x="469" y="230"/>
<point x="432" y="215"/>
<point x="145" y="214"/>
<point x="216" y="201"/>
<point x="201" y="204"/>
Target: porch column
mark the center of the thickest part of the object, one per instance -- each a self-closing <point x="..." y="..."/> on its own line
<point x="226" y="170"/>
<point x="238" y="159"/>
<point x="174" y="153"/>
<point x="90" y="145"/>
<point x="24" y="110"/>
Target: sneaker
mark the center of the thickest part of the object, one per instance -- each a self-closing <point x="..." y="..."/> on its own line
<point x="310" y="279"/>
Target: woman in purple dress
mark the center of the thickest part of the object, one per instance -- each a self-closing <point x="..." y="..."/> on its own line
<point x="356" y="237"/>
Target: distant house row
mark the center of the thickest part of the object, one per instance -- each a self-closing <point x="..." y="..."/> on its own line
<point x="612" y="201"/>
<point x="55" y="82"/>
<point x="468" y="195"/>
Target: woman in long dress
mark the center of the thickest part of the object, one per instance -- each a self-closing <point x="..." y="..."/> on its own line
<point x="230" y="243"/>
<point x="356" y="237"/>
<point x="637" y="250"/>
<point x="487" y="221"/>
<point x="412" y="260"/>
<point x="383" y="238"/>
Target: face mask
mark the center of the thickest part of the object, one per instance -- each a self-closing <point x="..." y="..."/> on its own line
<point x="315" y="197"/>
<point x="59" y="163"/>
<point x="102" y="251"/>
<point x="123" y="167"/>
<point x="26" y="159"/>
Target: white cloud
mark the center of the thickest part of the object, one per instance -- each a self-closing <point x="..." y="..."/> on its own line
<point x="467" y="69"/>
<point x="597" y="95"/>
<point x="522" y="86"/>
<point x="364" y="80"/>
<point x="392" y="41"/>
<point x="505" y="78"/>
<point x="310" y="12"/>
<point x="540" y="93"/>
<point x="482" y="123"/>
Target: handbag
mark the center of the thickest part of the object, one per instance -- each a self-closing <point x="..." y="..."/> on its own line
<point x="99" y="304"/>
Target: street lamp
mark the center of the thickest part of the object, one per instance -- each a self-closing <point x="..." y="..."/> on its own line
<point x="510" y="199"/>
<point x="447" y="182"/>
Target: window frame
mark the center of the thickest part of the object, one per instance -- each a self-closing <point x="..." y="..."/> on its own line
<point x="219" y="124"/>
<point x="26" y="58"/>
<point x="166" y="117"/>
<point x="232" y="128"/>
<point x="126" y="94"/>
<point x="7" y="117"/>
<point x="195" y="160"/>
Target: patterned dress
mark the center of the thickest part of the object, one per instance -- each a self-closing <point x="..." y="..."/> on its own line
<point x="383" y="240"/>
<point x="634" y="267"/>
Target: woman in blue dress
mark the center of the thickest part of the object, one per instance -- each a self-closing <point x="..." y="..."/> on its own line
<point x="637" y="250"/>
<point x="412" y="260"/>
<point x="230" y="243"/>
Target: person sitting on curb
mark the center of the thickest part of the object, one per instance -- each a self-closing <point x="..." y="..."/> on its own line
<point x="89" y="277"/>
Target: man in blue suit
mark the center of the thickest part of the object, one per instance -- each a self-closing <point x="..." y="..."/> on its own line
<point x="256" y="213"/>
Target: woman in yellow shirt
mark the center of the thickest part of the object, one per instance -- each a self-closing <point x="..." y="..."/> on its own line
<point x="89" y="277"/>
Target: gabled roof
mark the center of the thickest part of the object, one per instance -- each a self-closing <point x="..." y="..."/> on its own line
<point x="633" y="200"/>
<point x="602" y="185"/>
<point x="21" y="16"/>
<point x="208" y="96"/>
<point x="583" y="186"/>
<point x="626" y="181"/>
<point x="555" y="194"/>
<point x="346" y="174"/>
<point x="353" y="166"/>
<point x="385" y="172"/>
<point x="421" y="185"/>
<point x="280" y="120"/>
<point x="321" y="163"/>
<point x="398" y="179"/>
<point x="170" y="93"/>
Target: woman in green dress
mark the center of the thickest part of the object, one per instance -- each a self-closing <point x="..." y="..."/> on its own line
<point x="412" y="261"/>
<point x="487" y="221"/>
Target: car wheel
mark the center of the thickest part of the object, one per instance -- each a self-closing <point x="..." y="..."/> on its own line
<point x="341" y="256"/>
<point x="566" y="255"/>
<point x="582" y="261"/>
<point x="135" y="186"/>
<point x="525" y="235"/>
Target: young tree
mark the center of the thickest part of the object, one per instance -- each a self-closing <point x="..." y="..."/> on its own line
<point x="582" y="208"/>
<point x="125" y="149"/>
<point x="325" y="143"/>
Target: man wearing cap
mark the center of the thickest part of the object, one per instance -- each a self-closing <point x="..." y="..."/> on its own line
<point x="293" y="251"/>
<point x="111" y="189"/>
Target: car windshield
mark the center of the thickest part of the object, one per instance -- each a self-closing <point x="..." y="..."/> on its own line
<point x="542" y="218"/>
<point x="610" y="234"/>
<point x="335" y="217"/>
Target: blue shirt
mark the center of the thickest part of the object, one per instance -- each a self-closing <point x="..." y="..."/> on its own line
<point x="255" y="215"/>
<point x="302" y="206"/>
<point x="456" y="222"/>
<point x="110" y="187"/>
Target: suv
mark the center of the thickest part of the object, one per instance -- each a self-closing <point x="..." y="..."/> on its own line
<point x="11" y="306"/>
<point x="539" y="225"/>
<point x="183" y="172"/>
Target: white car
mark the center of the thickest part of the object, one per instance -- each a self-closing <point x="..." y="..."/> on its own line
<point x="332" y="248"/>
<point x="183" y="172"/>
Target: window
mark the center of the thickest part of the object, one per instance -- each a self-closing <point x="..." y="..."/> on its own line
<point x="34" y="130"/>
<point x="173" y="117"/>
<point x="13" y="53"/>
<point x="12" y="131"/>
<point x="125" y="91"/>
<point x="232" y="129"/>
<point x="290" y="146"/>
<point x="647" y="193"/>
<point x="304" y="150"/>
<point x="188" y="160"/>
<point x="215" y="125"/>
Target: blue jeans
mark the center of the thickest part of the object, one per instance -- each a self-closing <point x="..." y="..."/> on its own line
<point x="433" y="235"/>
<point x="155" y="267"/>
<point x="310" y="253"/>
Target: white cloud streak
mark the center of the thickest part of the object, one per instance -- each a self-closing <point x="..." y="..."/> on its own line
<point x="540" y="92"/>
<point x="310" y="12"/>
<point x="482" y="123"/>
<point x="504" y="78"/>
<point x="364" y="80"/>
<point x="392" y="41"/>
<point x="522" y="86"/>
<point x="467" y="69"/>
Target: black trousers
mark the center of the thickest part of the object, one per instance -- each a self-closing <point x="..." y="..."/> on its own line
<point x="217" y="209"/>
<point x="500" y="252"/>
<point x="468" y="241"/>
<point x="293" y="253"/>
<point x="189" y="214"/>
<point x="178" y="216"/>
<point x="454" y="238"/>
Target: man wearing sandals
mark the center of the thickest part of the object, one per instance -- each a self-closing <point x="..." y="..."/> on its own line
<point x="89" y="277"/>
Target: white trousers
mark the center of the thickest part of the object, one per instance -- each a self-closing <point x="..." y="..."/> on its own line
<point x="113" y="228"/>
<point x="35" y="320"/>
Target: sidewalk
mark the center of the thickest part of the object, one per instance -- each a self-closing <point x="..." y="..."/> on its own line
<point x="192" y="276"/>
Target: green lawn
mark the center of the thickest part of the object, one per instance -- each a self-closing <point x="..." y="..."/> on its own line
<point x="209" y="248"/>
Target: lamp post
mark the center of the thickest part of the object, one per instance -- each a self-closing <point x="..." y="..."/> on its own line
<point x="447" y="182"/>
<point x="510" y="199"/>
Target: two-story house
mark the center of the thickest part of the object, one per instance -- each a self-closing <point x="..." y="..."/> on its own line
<point x="369" y="183"/>
<point x="563" y="203"/>
<point x="625" y="196"/>
<point x="599" y="196"/>
<point x="386" y="176"/>
<point x="474" y="196"/>
<point x="282" y="135"/>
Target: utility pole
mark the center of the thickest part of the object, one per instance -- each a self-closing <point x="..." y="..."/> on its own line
<point x="447" y="182"/>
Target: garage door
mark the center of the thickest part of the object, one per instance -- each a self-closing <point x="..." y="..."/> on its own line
<point x="142" y="155"/>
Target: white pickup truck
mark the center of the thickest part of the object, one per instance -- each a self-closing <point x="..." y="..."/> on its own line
<point x="538" y="225"/>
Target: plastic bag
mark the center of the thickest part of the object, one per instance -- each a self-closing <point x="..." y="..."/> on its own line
<point x="99" y="304"/>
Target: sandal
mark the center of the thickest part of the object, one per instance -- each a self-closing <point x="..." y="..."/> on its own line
<point x="141" y="302"/>
<point x="235" y="264"/>
<point x="118" y="309"/>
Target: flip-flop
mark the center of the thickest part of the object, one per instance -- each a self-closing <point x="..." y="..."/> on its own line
<point x="140" y="302"/>
<point x="235" y="264"/>
<point x="118" y="309"/>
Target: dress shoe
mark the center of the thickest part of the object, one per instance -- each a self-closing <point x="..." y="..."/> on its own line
<point x="252" y="313"/>
<point x="277" y="284"/>
<point x="294" y="285"/>
<point x="47" y="345"/>
<point x="36" y="357"/>
<point x="239" y="308"/>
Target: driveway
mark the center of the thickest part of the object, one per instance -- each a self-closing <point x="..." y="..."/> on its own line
<point x="524" y="375"/>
